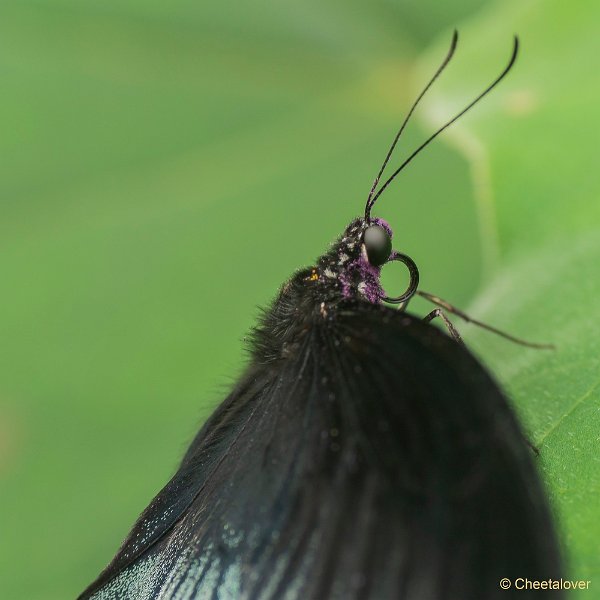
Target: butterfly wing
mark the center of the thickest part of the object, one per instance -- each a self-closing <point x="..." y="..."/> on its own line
<point x="378" y="460"/>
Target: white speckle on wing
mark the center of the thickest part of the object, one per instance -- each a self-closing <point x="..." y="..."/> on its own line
<point x="323" y="310"/>
<point x="329" y="273"/>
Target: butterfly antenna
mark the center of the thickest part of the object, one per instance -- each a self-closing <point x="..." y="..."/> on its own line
<point x="370" y="199"/>
<point x="508" y="67"/>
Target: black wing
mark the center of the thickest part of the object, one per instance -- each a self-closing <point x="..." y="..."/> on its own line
<point x="380" y="460"/>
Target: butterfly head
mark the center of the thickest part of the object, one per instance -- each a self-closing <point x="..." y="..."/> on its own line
<point x="352" y="266"/>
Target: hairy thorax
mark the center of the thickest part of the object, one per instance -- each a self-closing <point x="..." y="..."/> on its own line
<point x="342" y="273"/>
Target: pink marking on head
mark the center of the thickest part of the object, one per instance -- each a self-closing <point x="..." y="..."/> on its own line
<point x="361" y="272"/>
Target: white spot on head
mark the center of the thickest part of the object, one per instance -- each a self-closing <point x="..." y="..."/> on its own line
<point x="329" y="273"/>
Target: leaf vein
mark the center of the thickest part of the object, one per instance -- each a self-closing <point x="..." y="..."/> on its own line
<point x="569" y="412"/>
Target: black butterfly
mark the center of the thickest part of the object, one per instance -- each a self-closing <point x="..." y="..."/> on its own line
<point x="363" y="454"/>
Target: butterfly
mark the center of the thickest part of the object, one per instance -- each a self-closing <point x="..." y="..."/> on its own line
<point x="364" y="453"/>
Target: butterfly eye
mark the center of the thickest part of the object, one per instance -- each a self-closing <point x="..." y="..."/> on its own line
<point x="378" y="244"/>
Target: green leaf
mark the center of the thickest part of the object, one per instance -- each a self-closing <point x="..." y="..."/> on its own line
<point x="532" y="159"/>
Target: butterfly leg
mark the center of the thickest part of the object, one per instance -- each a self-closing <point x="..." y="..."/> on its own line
<point x="459" y="313"/>
<point x="438" y="312"/>
<point x="532" y="446"/>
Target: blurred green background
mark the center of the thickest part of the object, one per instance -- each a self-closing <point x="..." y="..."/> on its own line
<point x="165" y="167"/>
